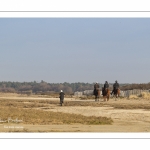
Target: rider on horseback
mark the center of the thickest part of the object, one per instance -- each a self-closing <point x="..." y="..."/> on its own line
<point x="115" y="87"/>
<point x="106" y="86"/>
<point x="96" y="87"/>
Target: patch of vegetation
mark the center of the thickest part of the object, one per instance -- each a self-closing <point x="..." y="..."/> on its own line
<point x="131" y="106"/>
<point x="40" y="117"/>
<point x="32" y="104"/>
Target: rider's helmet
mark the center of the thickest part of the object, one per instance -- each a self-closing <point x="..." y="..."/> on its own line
<point x="61" y="90"/>
<point x="116" y="81"/>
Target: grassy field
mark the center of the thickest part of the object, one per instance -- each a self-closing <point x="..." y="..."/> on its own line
<point x="44" y="114"/>
<point x="29" y="111"/>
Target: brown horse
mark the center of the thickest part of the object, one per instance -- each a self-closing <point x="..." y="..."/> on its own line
<point x="116" y="93"/>
<point x="106" y="94"/>
<point x="97" y="94"/>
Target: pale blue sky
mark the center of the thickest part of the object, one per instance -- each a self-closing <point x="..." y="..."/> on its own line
<point x="71" y="50"/>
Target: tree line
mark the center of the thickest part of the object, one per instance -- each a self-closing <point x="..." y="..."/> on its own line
<point x="142" y="86"/>
<point x="43" y="86"/>
<point x="39" y="87"/>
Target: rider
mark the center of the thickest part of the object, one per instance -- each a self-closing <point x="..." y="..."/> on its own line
<point x="106" y="86"/>
<point x="96" y="86"/>
<point x="115" y="86"/>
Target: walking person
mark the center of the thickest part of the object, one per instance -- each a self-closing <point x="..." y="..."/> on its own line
<point x="61" y="96"/>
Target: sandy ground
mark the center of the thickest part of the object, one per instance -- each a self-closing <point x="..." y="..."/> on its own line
<point x="124" y="120"/>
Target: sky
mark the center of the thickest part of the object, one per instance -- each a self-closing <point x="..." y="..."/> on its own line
<point x="59" y="50"/>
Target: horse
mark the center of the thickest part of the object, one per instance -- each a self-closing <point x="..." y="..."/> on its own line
<point x="106" y="94"/>
<point x="96" y="92"/>
<point x="116" y="93"/>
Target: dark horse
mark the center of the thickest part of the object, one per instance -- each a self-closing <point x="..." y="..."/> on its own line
<point x="96" y="92"/>
<point x="106" y="94"/>
<point x="116" y="93"/>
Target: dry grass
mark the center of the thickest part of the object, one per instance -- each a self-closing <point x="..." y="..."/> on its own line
<point x="145" y="95"/>
<point x="28" y="111"/>
<point x="33" y="116"/>
<point x="21" y="104"/>
<point x="32" y="104"/>
<point x="133" y="97"/>
<point x="130" y="106"/>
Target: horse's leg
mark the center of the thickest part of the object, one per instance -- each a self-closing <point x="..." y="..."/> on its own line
<point x="95" y="98"/>
<point x="99" y="93"/>
<point x="107" y="97"/>
<point x="117" y="94"/>
<point x="115" y="97"/>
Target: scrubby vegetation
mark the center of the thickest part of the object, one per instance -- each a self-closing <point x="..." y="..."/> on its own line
<point x="29" y="112"/>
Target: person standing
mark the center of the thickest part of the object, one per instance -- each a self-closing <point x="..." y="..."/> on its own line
<point x="61" y="96"/>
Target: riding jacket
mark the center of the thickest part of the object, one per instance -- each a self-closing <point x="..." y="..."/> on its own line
<point x="96" y="86"/>
<point x="106" y="85"/>
<point x="116" y="85"/>
<point x="61" y="95"/>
